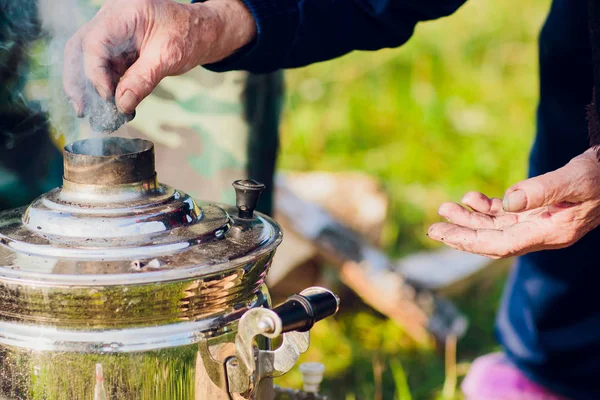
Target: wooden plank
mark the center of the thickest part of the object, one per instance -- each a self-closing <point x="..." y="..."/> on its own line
<point x="439" y="269"/>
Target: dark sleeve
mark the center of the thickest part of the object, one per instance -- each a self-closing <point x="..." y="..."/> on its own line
<point x="593" y="109"/>
<point x="294" y="33"/>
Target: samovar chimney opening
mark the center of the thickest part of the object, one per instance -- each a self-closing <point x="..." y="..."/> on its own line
<point x="109" y="161"/>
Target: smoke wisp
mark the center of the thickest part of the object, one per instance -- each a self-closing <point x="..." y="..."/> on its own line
<point x="32" y="41"/>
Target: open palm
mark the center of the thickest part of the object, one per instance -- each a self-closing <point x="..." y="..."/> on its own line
<point x="551" y="211"/>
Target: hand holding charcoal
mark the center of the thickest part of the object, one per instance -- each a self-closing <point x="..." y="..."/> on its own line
<point x="131" y="45"/>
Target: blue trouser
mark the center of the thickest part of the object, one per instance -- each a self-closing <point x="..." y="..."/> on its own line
<point x="549" y="320"/>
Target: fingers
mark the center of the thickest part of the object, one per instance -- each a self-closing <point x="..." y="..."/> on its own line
<point x="90" y="55"/>
<point x="488" y="213"/>
<point x="138" y="82"/>
<point x="449" y="234"/>
<point x="97" y="65"/>
<point x="544" y="190"/>
<point x="476" y="220"/>
<point x="466" y="239"/>
<point x="487" y="230"/>
<point x="483" y="204"/>
<point x="459" y="215"/>
<point x="86" y="59"/>
<point x="73" y="76"/>
<point x="513" y="240"/>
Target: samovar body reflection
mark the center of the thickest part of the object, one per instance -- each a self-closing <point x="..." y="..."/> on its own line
<point x="116" y="286"/>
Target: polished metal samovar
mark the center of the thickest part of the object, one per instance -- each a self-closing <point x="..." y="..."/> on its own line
<point x="115" y="286"/>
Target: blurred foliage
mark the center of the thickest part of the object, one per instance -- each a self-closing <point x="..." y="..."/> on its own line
<point x="451" y="111"/>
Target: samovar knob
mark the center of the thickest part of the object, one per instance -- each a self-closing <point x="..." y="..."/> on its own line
<point x="247" y="192"/>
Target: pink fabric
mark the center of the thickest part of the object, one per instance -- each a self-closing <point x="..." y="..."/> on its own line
<point x="492" y="377"/>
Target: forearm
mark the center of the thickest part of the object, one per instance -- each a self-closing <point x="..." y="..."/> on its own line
<point x="293" y="33"/>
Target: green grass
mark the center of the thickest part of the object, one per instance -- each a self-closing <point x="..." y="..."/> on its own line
<point x="451" y="111"/>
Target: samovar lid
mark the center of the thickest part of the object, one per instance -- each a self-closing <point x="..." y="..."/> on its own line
<point x="112" y="223"/>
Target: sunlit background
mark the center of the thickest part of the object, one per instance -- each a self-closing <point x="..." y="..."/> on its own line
<point x="451" y="111"/>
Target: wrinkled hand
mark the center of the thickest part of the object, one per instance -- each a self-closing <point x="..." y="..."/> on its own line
<point x="131" y="45"/>
<point x="551" y="211"/>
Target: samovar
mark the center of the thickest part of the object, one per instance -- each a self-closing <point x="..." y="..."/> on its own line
<point x="115" y="286"/>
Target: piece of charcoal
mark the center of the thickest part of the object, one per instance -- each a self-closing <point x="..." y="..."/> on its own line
<point x="105" y="117"/>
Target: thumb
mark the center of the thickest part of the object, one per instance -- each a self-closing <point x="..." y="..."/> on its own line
<point x="137" y="83"/>
<point x="544" y="190"/>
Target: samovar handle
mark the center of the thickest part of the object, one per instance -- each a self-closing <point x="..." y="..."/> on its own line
<point x="300" y="311"/>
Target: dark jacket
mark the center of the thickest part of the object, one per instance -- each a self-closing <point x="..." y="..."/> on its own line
<point x="294" y="33"/>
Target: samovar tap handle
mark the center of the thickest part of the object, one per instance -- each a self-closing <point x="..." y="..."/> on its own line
<point x="292" y="319"/>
